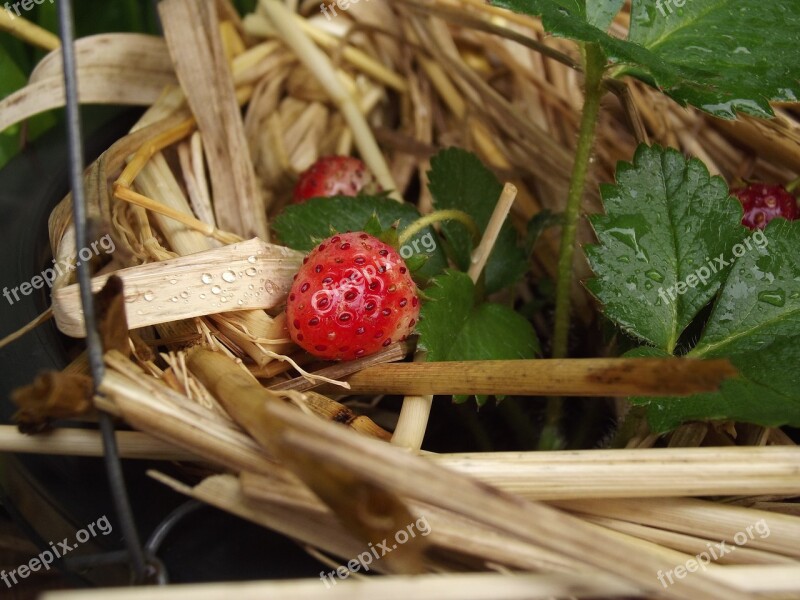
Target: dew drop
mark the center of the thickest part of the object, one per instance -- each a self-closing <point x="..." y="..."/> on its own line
<point x="173" y="281"/>
<point x="184" y="294"/>
<point x="250" y="272"/>
<point x="216" y="290"/>
<point x="251" y="260"/>
<point x="655" y="275"/>
<point x="173" y="299"/>
<point x="206" y="278"/>
<point x="149" y="295"/>
<point x="229" y="276"/>
<point x="774" y="297"/>
<point x="202" y="296"/>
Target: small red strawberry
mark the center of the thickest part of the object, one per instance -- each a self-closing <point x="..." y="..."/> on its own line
<point x="352" y="296"/>
<point x="763" y="202"/>
<point x="334" y="176"/>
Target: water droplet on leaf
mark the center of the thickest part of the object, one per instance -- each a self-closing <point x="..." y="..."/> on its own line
<point x="774" y="297"/>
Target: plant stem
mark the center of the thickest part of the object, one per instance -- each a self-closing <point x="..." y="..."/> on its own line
<point x="436" y="217"/>
<point x="594" y="64"/>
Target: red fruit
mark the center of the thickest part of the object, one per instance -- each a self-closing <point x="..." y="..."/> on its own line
<point x="763" y="202"/>
<point x="352" y="296"/>
<point x="334" y="176"/>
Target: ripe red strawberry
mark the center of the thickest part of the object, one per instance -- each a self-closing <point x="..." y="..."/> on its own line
<point x="352" y="296"/>
<point x="334" y="176"/>
<point x="763" y="202"/>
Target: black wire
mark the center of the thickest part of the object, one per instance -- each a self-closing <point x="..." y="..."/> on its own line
<point x="91" y="561"/>
<point x="170" y="521"/>
<point x="94" y="343"/>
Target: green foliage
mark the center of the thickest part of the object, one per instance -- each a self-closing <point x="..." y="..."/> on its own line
<point x="454" y="326"/>
<point x="668" y="226"/>
<point x="665" y="218"/>
<point x="765" y="392"/>
<point x="712" y="54"/>
<point x="459" y="180"/>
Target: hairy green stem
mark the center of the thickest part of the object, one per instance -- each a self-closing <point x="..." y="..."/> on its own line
<point x="594" y="66"/>
<point x="594" y="63"/>
<point x="436" y="217"/>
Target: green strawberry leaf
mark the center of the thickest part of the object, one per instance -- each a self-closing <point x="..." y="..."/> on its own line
<point x="453" y="327"/>
<point x="760" y="301"/>
<point x="712" y="54"/>
<point x="666" y="222"/>
<point x="739" y="68"/>
<point x="416" y="262"/>
<point x="765" y="393"/>
<point x="459" y="180"/>
<point x="303" y="226"/>
<point x="601" y="13"/>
